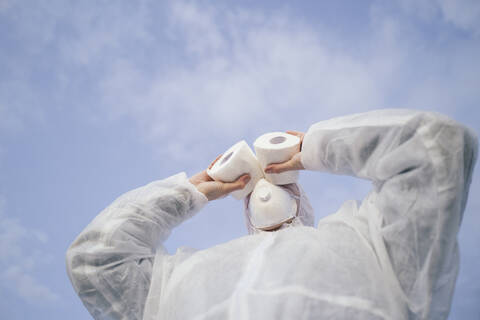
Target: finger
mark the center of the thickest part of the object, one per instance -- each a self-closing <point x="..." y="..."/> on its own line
<point x="279" y="167"/>
<point x="295" y="133"/>
<point x="205" y="176"/>
<point x="299" y="134"/>
<point x="238" y="184"/>
<point x="211" y="164"/>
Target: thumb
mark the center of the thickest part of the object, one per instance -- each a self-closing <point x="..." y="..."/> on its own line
<point x="280" y="167"/>
<point x="238" y="184"/>
<point x="295" y="163"/>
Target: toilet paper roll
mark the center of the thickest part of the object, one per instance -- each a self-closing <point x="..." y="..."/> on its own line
<point x="236" y="161"/>
<point x="277" y="147"/>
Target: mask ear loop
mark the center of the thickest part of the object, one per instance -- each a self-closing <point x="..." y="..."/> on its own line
<point x="250" y="228"/>
<point x="294" y="191"/>
<point x="297" y="199"/>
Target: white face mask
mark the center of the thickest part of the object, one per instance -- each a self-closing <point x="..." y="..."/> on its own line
<point x="271" y="206"/>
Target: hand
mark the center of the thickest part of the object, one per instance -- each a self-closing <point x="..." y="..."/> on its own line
<point x="216" y="189"/>
<point x="294" y="163"/>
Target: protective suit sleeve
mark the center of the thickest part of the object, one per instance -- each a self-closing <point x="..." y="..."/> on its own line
<point x="110" y="262"/>
<point x="421" y="164"/>
<point x="380" y="144"/>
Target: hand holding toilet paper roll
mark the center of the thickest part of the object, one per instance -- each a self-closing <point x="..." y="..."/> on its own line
<point x="295" y="163"/>
<point x="236" y="161"/>
<point x="277" y="147"/>
<point x="213" y="189"/>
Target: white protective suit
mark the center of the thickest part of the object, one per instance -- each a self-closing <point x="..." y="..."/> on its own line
<point x="392" y="256"/>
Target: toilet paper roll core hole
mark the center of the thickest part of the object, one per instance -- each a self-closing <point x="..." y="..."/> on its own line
<point x="277" y="140"/>
<point x="225" y="159"/>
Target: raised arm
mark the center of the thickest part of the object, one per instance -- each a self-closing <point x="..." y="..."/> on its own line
<point x="110" y="262"/>
<point x="378" y="145"/>
<point x="421" y="165"/>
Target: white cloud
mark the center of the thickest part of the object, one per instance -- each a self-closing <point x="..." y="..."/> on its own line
<point x="5" y="4"/>
<point x="464" y="14"/>
<point x="21" y="253"/>
<point x="17" y="112"/>
<point x="27" y="287"/>
<point x="9" y="120"/>
<point x="189" y="73"/>
<point x="197" y="25"/>
<point x="104" y="29"/>
<point x="426" y="10"/>
<point x="239" y="71"/>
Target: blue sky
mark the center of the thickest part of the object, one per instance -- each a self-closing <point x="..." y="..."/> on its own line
<point x="99" y="97"/>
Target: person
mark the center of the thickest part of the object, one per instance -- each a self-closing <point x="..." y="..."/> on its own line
<point x="392" y="256"/>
